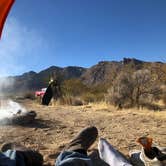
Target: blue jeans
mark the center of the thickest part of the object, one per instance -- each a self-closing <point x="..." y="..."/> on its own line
<point x="70" y="158"/>
<point x="66" y="158"/>
<point x="11" y="158"/>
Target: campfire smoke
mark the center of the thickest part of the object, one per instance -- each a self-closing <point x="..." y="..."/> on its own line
<point x="10" y="109"/>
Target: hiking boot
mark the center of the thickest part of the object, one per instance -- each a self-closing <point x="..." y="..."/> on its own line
<point x="31" y="157"/>
<point x="83" y="140"/>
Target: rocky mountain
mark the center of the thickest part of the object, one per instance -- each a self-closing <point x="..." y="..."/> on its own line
<point x="106" y="71"/>
<point x="31" y="81"/>
<point x="103" y="72"/>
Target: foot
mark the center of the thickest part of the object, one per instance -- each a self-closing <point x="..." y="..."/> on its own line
<point x="83" y="140"/>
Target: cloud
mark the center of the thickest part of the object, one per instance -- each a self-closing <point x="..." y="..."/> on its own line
<point x="17" y="42"/>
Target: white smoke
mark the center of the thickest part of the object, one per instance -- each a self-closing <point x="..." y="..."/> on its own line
<point x="17" y="42"/>
<point x="9" y="108"/>
<point x="5" y="84"/>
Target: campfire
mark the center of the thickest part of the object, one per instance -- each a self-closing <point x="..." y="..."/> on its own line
<point x="13" y="113"/>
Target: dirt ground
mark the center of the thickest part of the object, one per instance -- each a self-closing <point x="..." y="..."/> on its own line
<point x="55" y="126"/>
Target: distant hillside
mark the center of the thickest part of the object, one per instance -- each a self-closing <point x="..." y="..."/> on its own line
<point x="106" y="71"/>
<point x="103" y="72"/>
<point x="33" y="81"/>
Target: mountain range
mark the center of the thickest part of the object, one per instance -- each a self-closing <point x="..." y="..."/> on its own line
<point x="103" y="72"/>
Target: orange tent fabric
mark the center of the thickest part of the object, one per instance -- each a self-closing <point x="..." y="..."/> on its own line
<point x="5" y="6"/>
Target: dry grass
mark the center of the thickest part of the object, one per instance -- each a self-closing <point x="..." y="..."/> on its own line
<point x="56" y="125"/>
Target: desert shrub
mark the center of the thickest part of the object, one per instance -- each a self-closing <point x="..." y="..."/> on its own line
<point x="145" y="87"/>
<point x="130" y="89"/>
<point x="99" y="97"/>
<point x="88" y="97"/>
<point x="150" y="106"/>
<point x="120" y="93"/>
<point x="73" y="87"/>
<point x="159" y="69"/>
<point x="70" y="100"/>
<point x="100" y="88"/>
<point x="164" y="98"/>
<point x="77" y="102"/>
<point x="29" y="95"/>
<point x="76" y="88"/>
<point x="66" y="100"/>
<point x="95" y="93"/>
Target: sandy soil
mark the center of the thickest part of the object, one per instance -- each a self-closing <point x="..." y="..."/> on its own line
<point x="55" y="126"/>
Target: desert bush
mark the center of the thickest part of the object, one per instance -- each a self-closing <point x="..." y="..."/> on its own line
<point x="29" y="95"/>
<point x="73" y="87"/>
<point x="70" y="100"/>
<point x="150" y="106"/>
<point x="121" y="91"/>
<point x="76" y="88"/>
<point x="88" y="97"/>
<point x="145" y="86"/>
<point x="159" y="71"/>
<point x="66" y="100"/>
<point x="131" y="89"/>
<point x="100" y="97"/>
<point x="95" y="93"/>
<point x="100" y="88"/>
<point x="77" y="102"/>
<point x="164" y="98"/>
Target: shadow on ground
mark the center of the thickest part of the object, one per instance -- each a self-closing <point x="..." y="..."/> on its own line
<point x="36" y="123"/>
<point x="40" y="123"/>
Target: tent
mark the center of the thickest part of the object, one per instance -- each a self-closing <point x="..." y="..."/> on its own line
<point x="5" y="6"/>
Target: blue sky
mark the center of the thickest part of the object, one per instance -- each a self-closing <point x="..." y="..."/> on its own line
<point x="42" y="33"/>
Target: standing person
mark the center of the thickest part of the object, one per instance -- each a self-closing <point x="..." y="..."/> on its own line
<point x="53" y="91"/>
